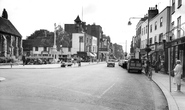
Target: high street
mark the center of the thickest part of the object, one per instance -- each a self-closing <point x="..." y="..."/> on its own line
<point x="93" y="87"/>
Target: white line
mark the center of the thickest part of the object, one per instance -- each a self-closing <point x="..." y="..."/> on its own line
<point x="107" y="90"/>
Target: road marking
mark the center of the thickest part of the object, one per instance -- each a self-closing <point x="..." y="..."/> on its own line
<point x="79" y="92"/>
<point x="107" y="90"/>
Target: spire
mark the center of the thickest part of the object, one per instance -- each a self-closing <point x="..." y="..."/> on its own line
<point x="77" y="20"/>
<point x="5" y="14"/>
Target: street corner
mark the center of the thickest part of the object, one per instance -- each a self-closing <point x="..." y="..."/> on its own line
<point x="2" y="79"/>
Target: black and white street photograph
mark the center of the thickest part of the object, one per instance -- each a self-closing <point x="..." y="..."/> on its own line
<point x="92" y="55"/>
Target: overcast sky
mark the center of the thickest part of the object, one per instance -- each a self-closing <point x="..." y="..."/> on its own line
<point x="113" y="15"/>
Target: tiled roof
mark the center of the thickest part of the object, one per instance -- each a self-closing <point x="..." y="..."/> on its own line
<point x="8" y="28"/>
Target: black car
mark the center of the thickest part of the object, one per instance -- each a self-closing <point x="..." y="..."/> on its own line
<point x="134" y="65"/>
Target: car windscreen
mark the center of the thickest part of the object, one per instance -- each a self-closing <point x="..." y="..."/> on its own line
<point x="135" y="63"/>
<point x="111" y="60"/>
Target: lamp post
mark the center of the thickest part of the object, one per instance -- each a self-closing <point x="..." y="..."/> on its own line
<point x="147" y="49"/>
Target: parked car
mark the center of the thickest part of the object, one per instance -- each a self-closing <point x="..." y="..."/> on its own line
<point x="67" y="63"/>
<point x="111" y="62"/>
<point x="134" y="65"/>
<point x="120" y="63"/>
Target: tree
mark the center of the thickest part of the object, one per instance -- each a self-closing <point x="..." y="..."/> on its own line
<point x="42" y="33"/>
<point x="5" y="14"/>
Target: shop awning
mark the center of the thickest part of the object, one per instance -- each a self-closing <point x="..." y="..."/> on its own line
<point x="90" y="54"/>
<point x="150" y="53"/>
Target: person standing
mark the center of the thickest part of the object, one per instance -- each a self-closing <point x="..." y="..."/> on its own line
<point x="178" y="72"/>
<point x="23" y="59"/>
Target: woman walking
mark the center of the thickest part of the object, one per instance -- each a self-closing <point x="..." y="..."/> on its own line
<point x="178" y="73"/>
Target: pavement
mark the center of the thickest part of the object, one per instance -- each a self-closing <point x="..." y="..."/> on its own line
<point x="176" y="100"/>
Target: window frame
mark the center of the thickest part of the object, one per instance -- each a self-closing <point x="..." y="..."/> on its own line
<point x="178" y="27"/>
<point x="150" y="28"/>
<point x="156" y="25"/>
<point x="179" y="4"/>
<point x="161" y="21"/>
<point x="81" y="39"/>
<point x="173" y="7"/>
<point x="160" y="37"/>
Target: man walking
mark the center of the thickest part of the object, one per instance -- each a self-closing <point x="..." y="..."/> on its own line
<point x="178" y="73"/>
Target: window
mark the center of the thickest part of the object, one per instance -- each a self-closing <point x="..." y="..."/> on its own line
<point x="150" y="41"/>
<point x="179" y="3"/>
<point x="36" y="49"/>
<point x="156" y="25"/>
<point x="161" y="21"/>
<point x="172" y="24"/>
<point x="87" y="40"/>
<point x="81" y="39"/>
<point x="155" y="39"/>
<point x="178" y="26"/>
<point x="146" y="29"/>
<point x="173" y="6"/>
<point x="45" y="48"/>
<point x="69" y="49"/>
<point x="160" y="37"/>
<point x="151" y="28"/>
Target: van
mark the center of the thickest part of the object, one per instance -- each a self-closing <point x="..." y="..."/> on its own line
<point x="134" y="65"/>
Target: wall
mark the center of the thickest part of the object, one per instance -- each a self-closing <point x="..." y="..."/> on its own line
<point x="75" y="43"/>
<point x="179" y="12"/>
<point x="94" y="44"/>
<point x="163" y="29"/>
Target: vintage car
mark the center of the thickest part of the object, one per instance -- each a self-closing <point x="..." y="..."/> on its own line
<point x="111" y="62"/>
<point x="134" y="65"/>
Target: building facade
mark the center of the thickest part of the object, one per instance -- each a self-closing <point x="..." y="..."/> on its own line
<point x="10" y="40"/>
<point x="176" y="42"/>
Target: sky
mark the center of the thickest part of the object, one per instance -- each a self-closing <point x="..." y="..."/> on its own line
<point x="112" y="15"/>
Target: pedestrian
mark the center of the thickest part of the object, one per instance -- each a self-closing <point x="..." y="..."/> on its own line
<point x="79" y="61"/>
<point x="23" y="59"/>
<point x="178" y="72"/>
<point x="156" y="66"/>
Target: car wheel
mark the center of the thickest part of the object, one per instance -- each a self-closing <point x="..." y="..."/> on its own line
<point x="140" y="71"/>
<point x="128" y="70"/>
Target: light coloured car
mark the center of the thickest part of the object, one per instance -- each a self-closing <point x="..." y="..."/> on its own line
<point x="111" y="62"/>
<point x="120" y="63"/>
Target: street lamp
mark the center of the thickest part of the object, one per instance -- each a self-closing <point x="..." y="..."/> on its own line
<point x="147" y="49"/>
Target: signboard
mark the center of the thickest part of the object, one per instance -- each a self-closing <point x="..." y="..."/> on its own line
<point x="103" y="49"/>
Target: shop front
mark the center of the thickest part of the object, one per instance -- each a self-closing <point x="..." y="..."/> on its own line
<point x="177" y="52"/>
